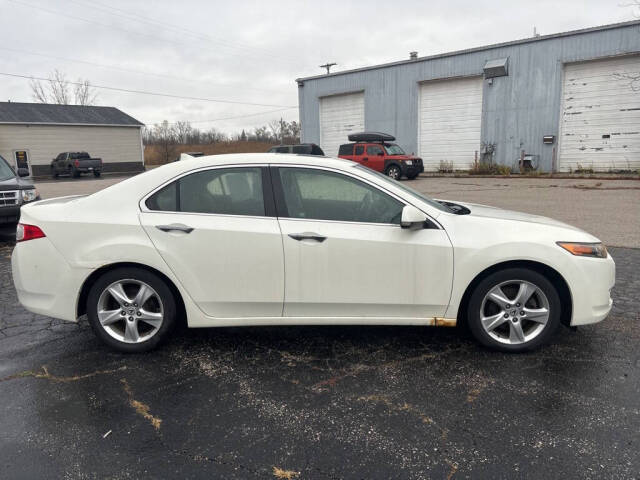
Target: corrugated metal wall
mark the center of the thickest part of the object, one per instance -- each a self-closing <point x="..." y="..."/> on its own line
<point x="518" y="110"/>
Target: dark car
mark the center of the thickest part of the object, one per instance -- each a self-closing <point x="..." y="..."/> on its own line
<point x="74" y="164"/>
<point x="375" y="150"/>
<point x="302" y="149"/>
<point x="14" y="192"/>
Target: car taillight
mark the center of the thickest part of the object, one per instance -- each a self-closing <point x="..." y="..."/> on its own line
<point x="28" y="232"/>
<point x="77" y="163"/>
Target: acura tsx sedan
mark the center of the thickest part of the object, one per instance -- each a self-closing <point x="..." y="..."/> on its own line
<point x="278" y="239"/>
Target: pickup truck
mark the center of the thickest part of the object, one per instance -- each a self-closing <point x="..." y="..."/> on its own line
<point x="14" y="192"/>
<point x="74" y="164"/>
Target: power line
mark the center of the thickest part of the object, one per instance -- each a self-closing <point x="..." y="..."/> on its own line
<point x="111" y="27"/>
<point x="157" y="94"/>
<point x="151" y="21"/>
<point x="234" y="117"/>
<point x="127" y="69"/>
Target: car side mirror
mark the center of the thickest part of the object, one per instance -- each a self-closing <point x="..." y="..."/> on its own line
<point x="412" y="217"/>
<point x="23" y="172"/>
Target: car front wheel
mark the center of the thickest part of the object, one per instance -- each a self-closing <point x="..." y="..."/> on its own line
<point x="514" y="310"/>
<point x="394" y="172"/>
<point x="131" y="309"/>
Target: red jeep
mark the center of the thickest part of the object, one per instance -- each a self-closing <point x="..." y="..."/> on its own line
<point x="373" y="150"/>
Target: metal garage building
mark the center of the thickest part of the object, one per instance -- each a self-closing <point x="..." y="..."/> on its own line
<point x="32" y="134"/>
<point x="566" y="101"/>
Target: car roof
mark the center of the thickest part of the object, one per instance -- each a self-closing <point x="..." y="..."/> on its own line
<point x="281" y="158"/>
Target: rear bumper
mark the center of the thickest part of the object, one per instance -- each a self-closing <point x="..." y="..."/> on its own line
<point x="45" y="282"/>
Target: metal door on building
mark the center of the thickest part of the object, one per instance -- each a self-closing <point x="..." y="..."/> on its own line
<point x="600" y="116"/>
<point x="340" y="115"/>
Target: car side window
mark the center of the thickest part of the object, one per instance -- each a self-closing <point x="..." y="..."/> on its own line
<point x="323" y="195"/>
<point x="303" y="149"/>
<point x="359" y="150"/>
<point x="226" y="191"/>
<point x="282" y="150"/>
<point x="346" y="149"/>
<point x="374" y="150"/>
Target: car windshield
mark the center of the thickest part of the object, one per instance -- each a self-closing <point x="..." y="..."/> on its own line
<point x="5" y="170"/>
<point x="394" y="150"/>
<point x="409" y="190"/>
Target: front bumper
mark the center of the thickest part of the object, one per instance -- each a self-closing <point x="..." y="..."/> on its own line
<point x="9" y="216"/>
<point x="591" y="282"/>
<point x="415" y="168"/>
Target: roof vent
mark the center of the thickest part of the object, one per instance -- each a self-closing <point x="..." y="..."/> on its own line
<point x="496" y="68"/>
<point x="413" y="55"/>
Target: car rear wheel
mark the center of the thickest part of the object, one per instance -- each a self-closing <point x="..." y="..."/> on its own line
<point x="131" y="309"/>
<point x="96" y="173"/>
<point x="394" y="172"/>
<point x="75" y="172"/>
<point x="514" y="310"/>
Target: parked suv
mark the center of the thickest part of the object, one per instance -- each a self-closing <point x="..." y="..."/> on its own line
<point x="14" y="192"/>
<point x="74" y="164"/>
<point x="374" y="150"/>
<point x="302" y="148"/>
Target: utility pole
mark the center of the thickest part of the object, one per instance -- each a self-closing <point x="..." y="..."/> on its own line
<point x="328" y="66"/>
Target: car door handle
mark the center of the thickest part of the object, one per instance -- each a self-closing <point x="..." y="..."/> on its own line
<point x="365" y="159"/>
<point x="175" y="227"/>
<point x="308" y="236"/>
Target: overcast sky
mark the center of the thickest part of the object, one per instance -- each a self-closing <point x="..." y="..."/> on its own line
<point x="250" y="51"/>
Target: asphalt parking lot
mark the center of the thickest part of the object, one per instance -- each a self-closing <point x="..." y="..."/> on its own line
<point x="339" y="402"/>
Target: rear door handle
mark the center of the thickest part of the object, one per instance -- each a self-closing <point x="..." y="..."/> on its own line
<point x="365" y="159"/>
<point x="175" y="227"/>
<point x="308" y="236"/>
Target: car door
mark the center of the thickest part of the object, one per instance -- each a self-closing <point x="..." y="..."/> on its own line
<point x="375" y="153"/>
<point x="216" y="230"/>
<point x="346" y="255"/>
<point x="359" y="155"/>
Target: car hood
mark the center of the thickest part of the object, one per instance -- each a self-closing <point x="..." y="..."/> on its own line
<point x="487" y="211"/>
<point x="15" y="183"/>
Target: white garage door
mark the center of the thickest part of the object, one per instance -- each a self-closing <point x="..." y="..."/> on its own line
<point x="340" y="115"/>
<point x="600" y="117"/>
<point x="450" y="118"/>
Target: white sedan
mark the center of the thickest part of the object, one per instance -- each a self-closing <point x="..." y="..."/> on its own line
<point x="266" y="239"/>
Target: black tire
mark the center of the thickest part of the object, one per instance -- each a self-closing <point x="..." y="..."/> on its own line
<point x="504" y="277"/>
<point x="394" y="171"/>
<point x="97" y="173"/>
<point x="54" y="172"/>
<point x="136" y="274"/>
<point x="75" y="173"/>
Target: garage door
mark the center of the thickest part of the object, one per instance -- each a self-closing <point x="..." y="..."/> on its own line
<point x="600" y="117"/>
<point x="340" y="115"/>
<point x="450" y="117"/>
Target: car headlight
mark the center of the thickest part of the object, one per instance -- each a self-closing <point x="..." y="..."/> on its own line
<point x="597" y="250"/>
<point x="409" y="162"/>
<point x="29" y="195"/>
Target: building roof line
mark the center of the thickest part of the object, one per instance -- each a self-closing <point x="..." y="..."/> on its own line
<point x="136" y="125"/>
<point x="610" y="26"/>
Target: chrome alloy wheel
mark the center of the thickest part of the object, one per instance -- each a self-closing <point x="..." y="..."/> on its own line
<point x="514" y="312"/>
<point x="130" y="311"/>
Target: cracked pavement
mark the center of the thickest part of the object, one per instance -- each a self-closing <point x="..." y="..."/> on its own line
<point x="315" y="402"/>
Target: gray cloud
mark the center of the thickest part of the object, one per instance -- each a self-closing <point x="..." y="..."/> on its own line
<point x="251" y="51"/>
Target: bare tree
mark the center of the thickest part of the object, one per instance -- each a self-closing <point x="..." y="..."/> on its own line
<point x="84" y="93"/>
<point x="165" y="136"/>
<point x="182" y="131"/>
<point x="57" y="89"/>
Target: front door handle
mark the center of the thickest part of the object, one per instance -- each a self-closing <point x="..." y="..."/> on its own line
<point x="365" y="159"/>
<point x="308" y="236"/>
<point x="175" y="227"/>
